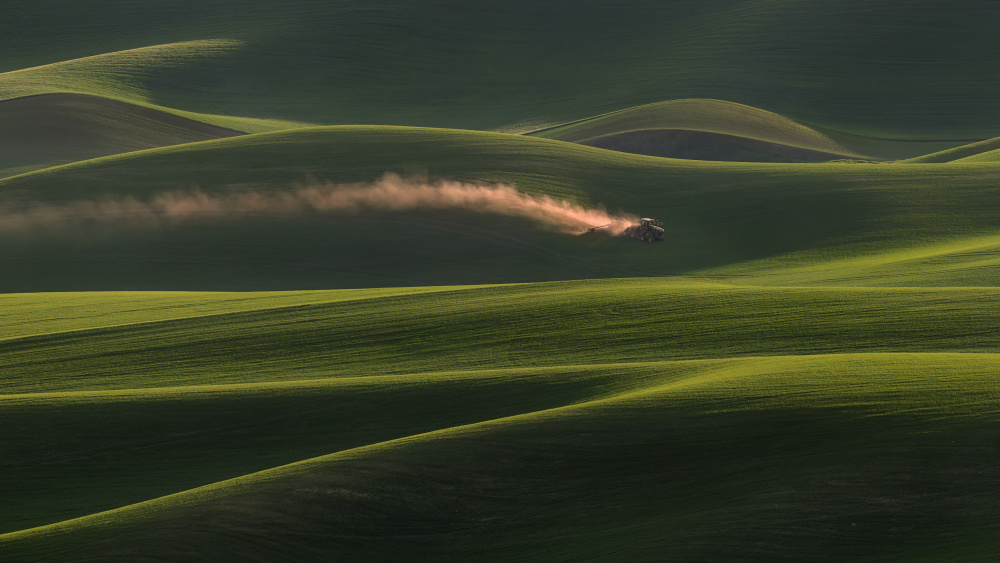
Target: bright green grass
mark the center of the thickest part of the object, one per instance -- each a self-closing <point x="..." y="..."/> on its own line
<point x="552" y="324"/>
<point x="37" y="314"/>
<point x="929" y="66"/>
<point x="964" y="153"/>
<point x="971" y="261"/>
<point x="787" y="458"/>
<point x="117" y="74"/>
<point x="717" y="215"/>
<point x="121" y="76"/>
<point x="985" y="156"/>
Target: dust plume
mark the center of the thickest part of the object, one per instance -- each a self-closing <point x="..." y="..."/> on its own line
<point x="390" y="193"/>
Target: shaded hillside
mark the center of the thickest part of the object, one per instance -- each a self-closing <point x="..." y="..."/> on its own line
<point x="46" y="130"/>
<point x="716" y="214"/>
<point x="529" y="419"/>
<point x="719" y="130"/>
<point x="805" y="369"/>
<point x="928" y="65"/>
<point x="702" y="130"/>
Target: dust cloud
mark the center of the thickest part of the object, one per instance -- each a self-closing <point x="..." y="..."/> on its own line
<point x="390" y="193"/>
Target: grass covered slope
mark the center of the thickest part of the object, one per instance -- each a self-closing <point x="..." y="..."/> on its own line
<point x="643" y="418"/>
<point x="960" y="154"/>
<point x="505" y="327"/>
<point x="48" y="130"/>
<point x="718" y="130"/>
<point x="667" y="418"/>
<point x="502" y="420"/>
<point x="717" y="215"/>
<point x="695" y="464"/>
<point x="714" y="120"/>
<point x="130" y="446"/>
<point x="123" y="77"/>
<point x="985" y="156"/>
<point x="455" y="65"/>
<point x="119" y="74"/>
<point x="958" y="261"/>
<point x="805" y="369"/>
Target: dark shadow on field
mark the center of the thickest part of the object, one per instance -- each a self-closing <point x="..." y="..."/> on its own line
<point x="684" y="478"/>
<point x="316" y="251"/>
<point x="70" y="459"/>
<point x="50" y="129"/>
<point x="714" y="214"/>
<point x="311" y="252"/>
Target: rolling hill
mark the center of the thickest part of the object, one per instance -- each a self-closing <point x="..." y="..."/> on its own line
<point x="720" y="130"/>
<point x="985" y="156"/>
<point x="550" y="395"/>
<point x="702" y="130"/>
<point x="449" y="64"/>
<point x="313" y="281"/>
<point x="48" y="130"/>
<point x="718" y="215"/>
<point x="959" y="154"/>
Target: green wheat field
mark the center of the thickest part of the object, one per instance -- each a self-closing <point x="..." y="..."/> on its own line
<point x="807" y="368"/>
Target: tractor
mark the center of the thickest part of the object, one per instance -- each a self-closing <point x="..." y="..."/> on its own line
<point x="648" y="230"/>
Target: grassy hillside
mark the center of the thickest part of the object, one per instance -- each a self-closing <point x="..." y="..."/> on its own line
<point x="715" y="116"/>
<point x="723" y="119"/>
<point x="959" y="153"/>
<point x="123" y="77"/>
<point x="693" y="320"/>
<point x="446" y="63"/>
<point x="514" y="418"/>
<point x="959" y="261"/>
<point x="720" y="130"/>
<point x="649" y="418"/>
<point x="717" y="215"/>
<point x="985" y="156"/>
<point x="226" y="335"/>
<point x="47" y="130"/>
<point x="557" y="395"/>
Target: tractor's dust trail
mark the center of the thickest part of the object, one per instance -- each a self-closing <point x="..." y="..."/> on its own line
<point x="390" y="193"/>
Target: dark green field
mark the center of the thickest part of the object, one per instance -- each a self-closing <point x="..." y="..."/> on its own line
<point x="307" y="281"/>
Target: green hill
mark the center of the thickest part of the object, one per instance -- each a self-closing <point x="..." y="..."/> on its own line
<point x="985" y="156"/>
<point x="719" y="130"/>
<point x="448" y="64"/>
<point x="123" y="78"/>
<point x="548" y="426"/>
<point x="47" y="130"/>
<point x="717" y="215"/>
<point x="313" y="281"/>
<point x="703" y="130"/>
<point x="960" y="153"/>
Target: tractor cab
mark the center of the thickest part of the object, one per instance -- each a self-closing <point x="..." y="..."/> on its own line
<point x="648" y="230"/>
